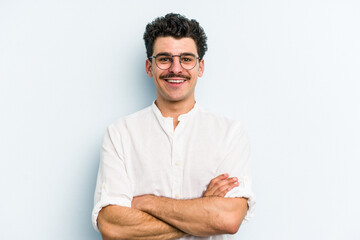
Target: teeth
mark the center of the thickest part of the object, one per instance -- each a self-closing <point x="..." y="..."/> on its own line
<point x="175" y="81"/>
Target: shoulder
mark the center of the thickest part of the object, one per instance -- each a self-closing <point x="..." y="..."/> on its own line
<point x="228" y="131"/>
<point x="134" y="119"/>
<point x="220" y="122"/>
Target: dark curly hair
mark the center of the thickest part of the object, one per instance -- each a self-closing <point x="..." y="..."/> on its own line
<point x="176" y="26"/>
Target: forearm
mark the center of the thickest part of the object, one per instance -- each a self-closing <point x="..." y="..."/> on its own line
<point x="200" y="217"/>
<point x="116" y="223"/>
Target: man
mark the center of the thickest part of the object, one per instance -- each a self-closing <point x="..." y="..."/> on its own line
<point x="173" y="170"/>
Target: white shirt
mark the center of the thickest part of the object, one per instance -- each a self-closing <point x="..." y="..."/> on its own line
<point x="143" y="154"/>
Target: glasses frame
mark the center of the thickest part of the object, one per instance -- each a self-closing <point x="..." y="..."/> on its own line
<point x="172" y="61"/>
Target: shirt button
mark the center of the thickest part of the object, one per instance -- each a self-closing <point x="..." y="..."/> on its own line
<point x="177" y="195"/>
<point x="177" y="163"/>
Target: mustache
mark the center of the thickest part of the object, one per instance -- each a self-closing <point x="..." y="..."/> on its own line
<point x="172" y="75"/>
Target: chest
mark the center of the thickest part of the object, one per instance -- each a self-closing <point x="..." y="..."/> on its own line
<point x="179" y="166"/>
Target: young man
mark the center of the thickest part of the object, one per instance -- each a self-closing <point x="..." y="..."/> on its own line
<point x="173" y="170"/>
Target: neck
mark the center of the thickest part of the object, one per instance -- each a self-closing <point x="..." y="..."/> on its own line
<point x="174" y="109"/>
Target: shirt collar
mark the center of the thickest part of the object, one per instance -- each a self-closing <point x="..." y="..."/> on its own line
<point x="182" y="117"/>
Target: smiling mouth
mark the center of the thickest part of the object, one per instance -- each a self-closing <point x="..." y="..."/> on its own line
<point x="175" y="80"/>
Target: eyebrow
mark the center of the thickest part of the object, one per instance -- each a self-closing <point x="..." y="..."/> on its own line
<point x="169" y="54"/>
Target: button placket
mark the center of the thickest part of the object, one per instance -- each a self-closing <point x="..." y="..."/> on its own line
<point x="176" y="166"/>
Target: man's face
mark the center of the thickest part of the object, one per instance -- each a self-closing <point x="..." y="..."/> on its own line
<point x="175" y="84"/>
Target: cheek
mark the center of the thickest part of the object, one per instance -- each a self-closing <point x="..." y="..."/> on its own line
<point x="156" y="77"/>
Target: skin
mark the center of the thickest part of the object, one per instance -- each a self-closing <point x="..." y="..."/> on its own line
<point x="199" y="217"/>
<point x="117" y="223"/>
<point x="220" y="185"/>
<point x="154" y="217"/>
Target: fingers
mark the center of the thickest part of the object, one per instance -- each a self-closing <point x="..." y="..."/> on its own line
<point x="221" y="185"/>
<point x="225" y="184"/>
<point x="217" y="179"/>
<point x="212" y="187"/>
<point x="229" y="184"/>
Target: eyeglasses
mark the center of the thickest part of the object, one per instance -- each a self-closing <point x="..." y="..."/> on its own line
<point x="164" y="61"/>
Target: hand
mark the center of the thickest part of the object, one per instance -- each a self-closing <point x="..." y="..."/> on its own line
<point x="220" y="185"/>
<point x="139" y="201"/>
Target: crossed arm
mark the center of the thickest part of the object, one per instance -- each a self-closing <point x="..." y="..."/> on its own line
<point x="152" y="217"/>
<point x="117" y="223"/>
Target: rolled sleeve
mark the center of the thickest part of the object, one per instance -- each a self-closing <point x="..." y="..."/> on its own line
<point x="124" y="201"/>
<point x="237" y="163"/>
<point x="113" y="186"/>
<point x="244" y="190"/>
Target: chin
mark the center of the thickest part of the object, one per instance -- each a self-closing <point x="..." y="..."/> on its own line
<point x="174" y="100"/>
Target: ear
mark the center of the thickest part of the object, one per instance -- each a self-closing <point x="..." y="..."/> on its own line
<point x="148" y="68"/>
<point x="201" y="68"/>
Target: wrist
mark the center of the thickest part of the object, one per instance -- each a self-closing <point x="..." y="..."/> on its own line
<point x="146" y="202"/>
<point x="143" y="203"/>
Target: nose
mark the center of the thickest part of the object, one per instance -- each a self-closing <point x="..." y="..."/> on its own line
<point x="176" y="66"/>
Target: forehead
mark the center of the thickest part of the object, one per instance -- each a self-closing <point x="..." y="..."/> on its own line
<point x="174" y="46"/>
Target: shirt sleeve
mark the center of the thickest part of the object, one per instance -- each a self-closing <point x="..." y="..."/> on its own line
<point x="237" y="163"/>
<point x="113" y="185"/>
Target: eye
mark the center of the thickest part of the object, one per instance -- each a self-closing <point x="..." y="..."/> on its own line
<point x="187" y="59"/>
<point x="164" y="59"/>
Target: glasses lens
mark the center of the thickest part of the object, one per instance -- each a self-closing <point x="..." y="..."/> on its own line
<point x="163" y="61"/>
<point x="188" y="61"/>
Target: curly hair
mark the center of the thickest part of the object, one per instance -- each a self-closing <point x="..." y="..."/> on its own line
<point x="176" y="26"/>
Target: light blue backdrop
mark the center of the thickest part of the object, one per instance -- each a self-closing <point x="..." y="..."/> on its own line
<point x="289" y="70"/>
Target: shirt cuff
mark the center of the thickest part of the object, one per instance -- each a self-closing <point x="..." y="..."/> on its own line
<point x="105" y="201"/>
<point x="244" y="190"/>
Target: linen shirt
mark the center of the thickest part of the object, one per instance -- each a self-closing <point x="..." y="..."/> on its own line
<point x="143" y="154"/>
